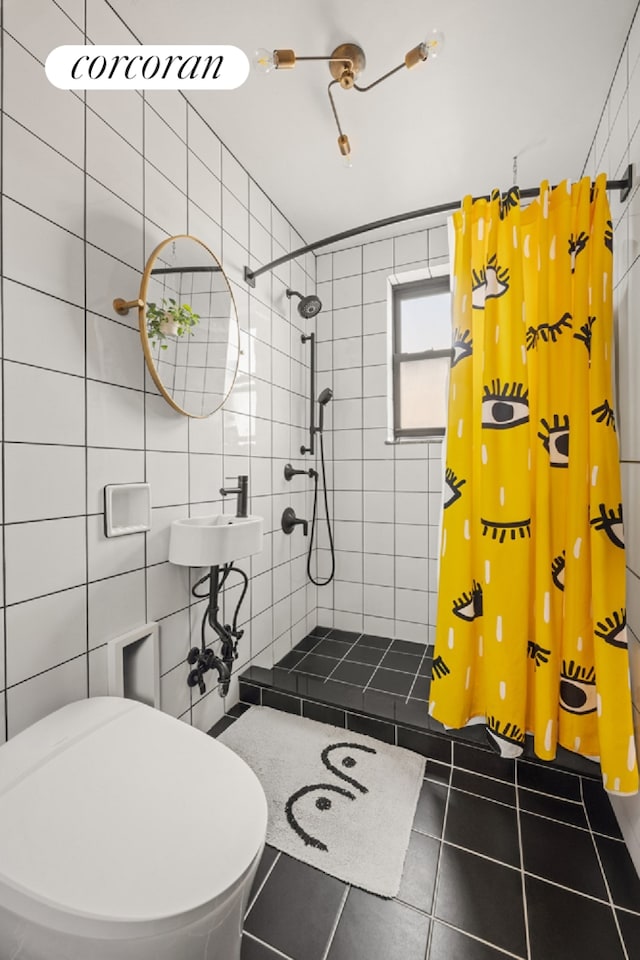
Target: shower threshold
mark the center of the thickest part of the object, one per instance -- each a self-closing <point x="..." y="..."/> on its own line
<point x="378" y="687"/>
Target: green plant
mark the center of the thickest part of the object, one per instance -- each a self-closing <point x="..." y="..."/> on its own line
<point x="170" y="313"/>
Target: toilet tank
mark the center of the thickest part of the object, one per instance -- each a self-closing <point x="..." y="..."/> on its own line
<point x="118" y="821"/>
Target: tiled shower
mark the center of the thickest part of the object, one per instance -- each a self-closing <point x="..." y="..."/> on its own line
<point x="90" y="184"/>
<point x="386" y="497"/>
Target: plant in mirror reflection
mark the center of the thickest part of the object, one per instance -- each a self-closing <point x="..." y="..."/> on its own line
<point x="169" y="319"/>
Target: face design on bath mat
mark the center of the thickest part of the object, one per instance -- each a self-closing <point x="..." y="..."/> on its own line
<point x="347" y="762"/>
<point x="322" y="796"/>
<point x="344" y="762"/>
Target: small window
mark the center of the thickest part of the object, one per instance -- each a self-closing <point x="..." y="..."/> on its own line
<point x="421" y="344"/>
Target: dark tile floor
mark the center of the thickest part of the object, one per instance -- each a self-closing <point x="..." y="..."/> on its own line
<point x="506" y="859"/>
<point x="372" y="685"/>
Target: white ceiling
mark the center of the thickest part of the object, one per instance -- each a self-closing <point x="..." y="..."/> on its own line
<point x="516" y="77"/>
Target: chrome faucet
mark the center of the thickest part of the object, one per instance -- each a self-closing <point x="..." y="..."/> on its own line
<point x="242" y="490"/>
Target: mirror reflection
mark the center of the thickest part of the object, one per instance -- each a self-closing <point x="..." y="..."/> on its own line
<point x="189" y="326"/>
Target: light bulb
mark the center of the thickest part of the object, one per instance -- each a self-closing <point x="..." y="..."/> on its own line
<point x="265" y="60"/>
<point x="345" y="149"/>
<point x="433" y="45"/>
<point x="347" y="162"/>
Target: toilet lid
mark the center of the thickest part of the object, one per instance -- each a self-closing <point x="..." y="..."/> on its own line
<point x="117" y="820"/>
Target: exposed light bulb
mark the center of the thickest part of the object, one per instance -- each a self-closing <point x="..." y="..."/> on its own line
<point x="347" y="162"/>
<point x="345" y="149"/>
<point x="433" y="45"/>
<point x="265" y="60"/>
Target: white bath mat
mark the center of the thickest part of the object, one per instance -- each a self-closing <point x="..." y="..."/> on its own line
<point x="340" y="801"/>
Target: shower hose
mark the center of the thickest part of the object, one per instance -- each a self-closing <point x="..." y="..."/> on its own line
<point x="314" y="520"/>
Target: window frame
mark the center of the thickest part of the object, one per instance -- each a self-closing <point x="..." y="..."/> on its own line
<point x="404" y="291"/>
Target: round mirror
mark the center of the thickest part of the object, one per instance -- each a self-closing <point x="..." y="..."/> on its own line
<point x="189" y="326"/>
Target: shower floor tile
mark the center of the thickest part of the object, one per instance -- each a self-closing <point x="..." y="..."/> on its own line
<point x="388" y="681"/>
<point x="469" y="891"/>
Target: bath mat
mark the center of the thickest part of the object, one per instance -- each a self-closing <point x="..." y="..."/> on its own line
<point x="337" y="800"/>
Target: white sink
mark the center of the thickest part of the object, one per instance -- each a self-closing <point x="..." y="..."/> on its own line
<point x="214" y="540"/>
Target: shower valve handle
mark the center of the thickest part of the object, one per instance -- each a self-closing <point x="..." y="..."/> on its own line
<point x="290" y="521"/>
<point x="289" y="472"/>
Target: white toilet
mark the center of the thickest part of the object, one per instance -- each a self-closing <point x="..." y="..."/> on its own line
<point x="124" y="833"/>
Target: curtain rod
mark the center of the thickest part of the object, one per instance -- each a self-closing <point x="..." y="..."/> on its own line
<point x="624" y="186"/>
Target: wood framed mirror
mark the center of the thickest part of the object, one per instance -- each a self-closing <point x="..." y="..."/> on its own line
<point x="188" y="325"/>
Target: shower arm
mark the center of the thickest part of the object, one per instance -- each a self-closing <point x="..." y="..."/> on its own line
<point x="624" y="186"/>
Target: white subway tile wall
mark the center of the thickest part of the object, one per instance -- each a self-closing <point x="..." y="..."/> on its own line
<point x="385" y="498"/>
<point x="91" y="185"/>
<point x="616" y="144"/>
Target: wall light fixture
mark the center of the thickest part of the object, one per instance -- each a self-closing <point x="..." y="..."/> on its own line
<point x="346" y="63"/>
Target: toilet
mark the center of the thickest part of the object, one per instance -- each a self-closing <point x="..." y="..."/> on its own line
<point x="124" y="833"/>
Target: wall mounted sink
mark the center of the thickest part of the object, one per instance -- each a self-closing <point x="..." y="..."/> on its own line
<point x="214" y="540"/>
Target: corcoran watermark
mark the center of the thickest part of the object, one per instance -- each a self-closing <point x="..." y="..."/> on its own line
<point x="162" y="67"/>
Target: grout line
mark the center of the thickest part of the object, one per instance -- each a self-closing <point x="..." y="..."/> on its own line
<point x="349" y="649"/>
<point x="5" y="708"/>
<point x="336" y="921"/>
<point x="472" y="936"/>
<point x="475" y="853"/>
<point x="436" y="884"/>
<point x="85" y="274"/>
<point x="269" y="946"/>
<point x="604" y="877"/>
<point x="260" y="888"/>
<point x="522" y="871"/>
<point x="578" y="893"/>
<point x="525" y="873"/>
<point x="418" y="675"/>
<point x="367" y="684"/>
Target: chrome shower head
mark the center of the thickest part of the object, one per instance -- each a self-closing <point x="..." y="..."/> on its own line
<point x="309" y="306"/>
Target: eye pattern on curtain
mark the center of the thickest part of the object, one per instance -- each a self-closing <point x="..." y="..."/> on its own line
<point x="531" y="628"/>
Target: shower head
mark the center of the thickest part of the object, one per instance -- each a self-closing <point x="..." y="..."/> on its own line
<point x="323" y="400"/>
<point x="309" y="306"/>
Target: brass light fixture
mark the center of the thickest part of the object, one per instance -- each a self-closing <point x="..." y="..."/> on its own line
<point x="346" y="63"/>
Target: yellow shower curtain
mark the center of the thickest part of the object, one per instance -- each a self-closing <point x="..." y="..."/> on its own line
<point x="531" y="629"/>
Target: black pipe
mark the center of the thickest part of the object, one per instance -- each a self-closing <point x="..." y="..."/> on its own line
<point x="624" y="186"/>
<point x="204" y="658"/>
<point x="312" y="393"/>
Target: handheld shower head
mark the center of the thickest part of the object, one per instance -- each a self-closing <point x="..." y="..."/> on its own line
<point x="323" y="400"/>
<point x="308" y="307"/>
